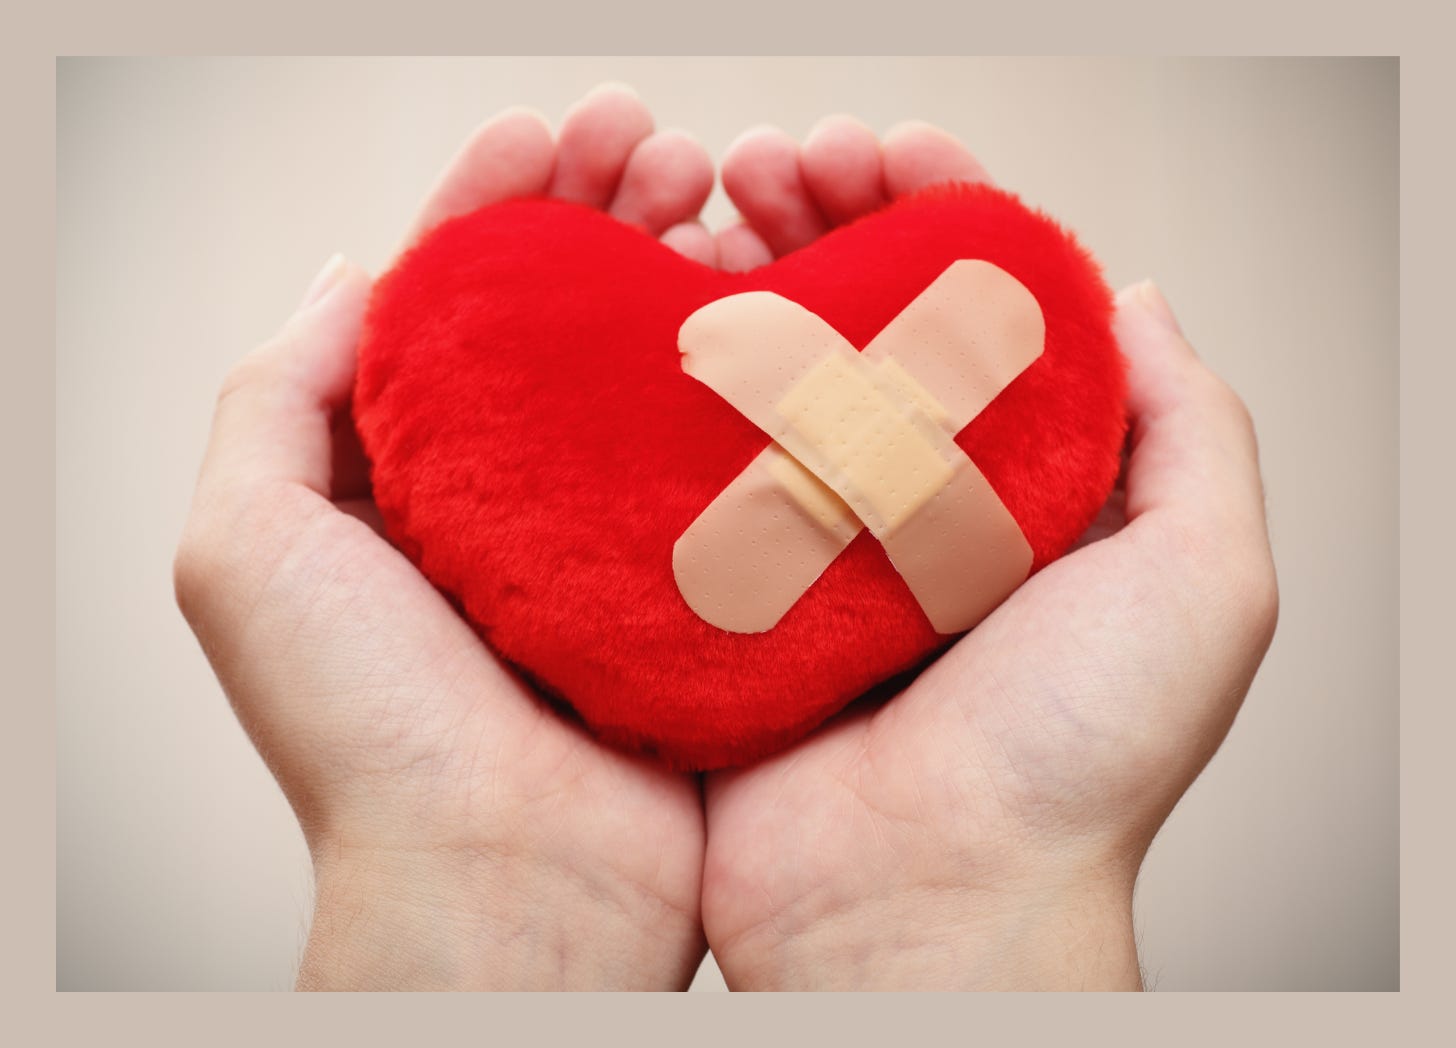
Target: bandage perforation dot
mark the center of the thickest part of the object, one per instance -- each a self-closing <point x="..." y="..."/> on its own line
<point x="861" y="440"/>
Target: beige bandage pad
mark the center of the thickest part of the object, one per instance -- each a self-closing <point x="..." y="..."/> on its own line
<point x="861" y="440"/>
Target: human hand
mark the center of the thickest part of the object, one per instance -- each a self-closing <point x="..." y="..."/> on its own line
<point x="985" y="828"/>
<point x="463" y="835"/>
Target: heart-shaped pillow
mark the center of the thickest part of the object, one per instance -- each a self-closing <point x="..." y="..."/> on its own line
<point x="537" y="449"/>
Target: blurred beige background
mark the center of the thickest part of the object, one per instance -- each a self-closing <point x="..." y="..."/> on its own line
<point x="196" y="198"/>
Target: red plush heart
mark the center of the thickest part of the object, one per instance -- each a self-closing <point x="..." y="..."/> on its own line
<point x="537" y="450"/>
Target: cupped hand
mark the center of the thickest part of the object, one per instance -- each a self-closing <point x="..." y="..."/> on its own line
<point x="463" y="834"/>
<point x="985" y="827"/>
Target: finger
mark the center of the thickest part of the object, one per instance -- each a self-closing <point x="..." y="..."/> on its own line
<point x="274" y="417"/>
<point x="740" y="249"/>
<point x="509" y="156"/>
<point x="692" y="240"/>
<point x="666" y="181"/>
<point x="762" y="177"/>
<point x="597" y="136"/>
<point x="1193" y="454"/>
<point x="917" y="154"/>
<point x="843" y="169"/>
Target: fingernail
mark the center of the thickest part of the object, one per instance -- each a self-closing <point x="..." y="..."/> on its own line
<point x="513" y="112"/>
<point x="1153" y="301"/>
<point x="326" y="279"/>
<point x="612" y="85"/>
<point x="756" y="131"/>
<point x="917" y="126"/>
<point x="836" y="120"/>
<point x="678" y="134"/>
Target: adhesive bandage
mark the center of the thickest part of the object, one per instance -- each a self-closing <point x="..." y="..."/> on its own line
<point x="861" y="439"/>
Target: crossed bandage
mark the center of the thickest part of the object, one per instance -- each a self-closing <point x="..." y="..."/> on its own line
<point x="861" y="439"/>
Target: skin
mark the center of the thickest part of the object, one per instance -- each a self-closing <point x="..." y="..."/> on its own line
<point x="982" y="830"/>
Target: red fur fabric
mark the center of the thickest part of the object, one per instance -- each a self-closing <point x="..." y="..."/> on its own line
<point x="537" y="449"/>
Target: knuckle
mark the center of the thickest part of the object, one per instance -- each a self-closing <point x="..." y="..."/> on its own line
<point x="1226" y="401"/>
<point x="194" y="571"/>
<point x="235" y="536"/>
<point x="1259" y="599"/>
<point x="1250" y="593"/>
<point x="253" y="371"/>
<point x="1224" y="568"/>
<point x="207" y="558"/>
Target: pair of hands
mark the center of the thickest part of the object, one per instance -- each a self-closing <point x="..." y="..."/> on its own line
<point x="983" y="830"/>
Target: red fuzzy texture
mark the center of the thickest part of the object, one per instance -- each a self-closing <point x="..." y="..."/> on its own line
<point x="537" y="449"/>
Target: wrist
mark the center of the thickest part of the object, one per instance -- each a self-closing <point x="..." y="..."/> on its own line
<point x="1071" y="936"/>
<point x="392" y="921"/>
<point x="404" y="920"/>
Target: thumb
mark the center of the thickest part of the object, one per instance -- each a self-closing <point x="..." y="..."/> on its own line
<point x="1193" y="449"/>
<point x="273" y="418"/>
